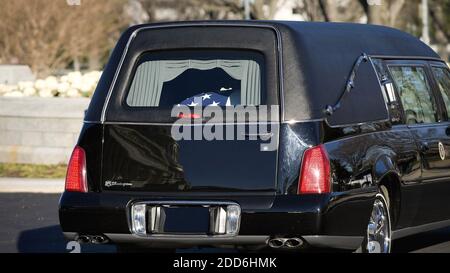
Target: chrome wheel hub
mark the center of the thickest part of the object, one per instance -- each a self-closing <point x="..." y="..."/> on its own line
<point x="379" y="229"/>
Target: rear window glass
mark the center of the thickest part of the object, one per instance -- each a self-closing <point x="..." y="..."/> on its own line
<point x="197" y="79"/>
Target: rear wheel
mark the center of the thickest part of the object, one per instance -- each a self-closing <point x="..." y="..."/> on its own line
<point x="379" y="232"/>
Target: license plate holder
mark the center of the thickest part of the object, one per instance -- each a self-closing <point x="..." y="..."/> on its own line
<point x="153" y="218"/>
<point x="186" y="220"/>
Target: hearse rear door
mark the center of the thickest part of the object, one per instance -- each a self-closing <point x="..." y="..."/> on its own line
<point x="193" y="67"/>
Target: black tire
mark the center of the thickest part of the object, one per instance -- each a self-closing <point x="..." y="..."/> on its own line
<point x="383" y="197"/>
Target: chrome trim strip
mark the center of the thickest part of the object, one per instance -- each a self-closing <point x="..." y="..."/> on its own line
<point x="385" y="57"/>
<point x="190" y="124"/>
<point x="426" y="125"/>
<point x="340" y="242"/>
<point x="397" y="234"/>
<point x="91" y="122"/>
<point x="302" y="121"/>
<point x="222" y="123"/>
<point x="401" y="129"/>
<point x="440" y="64"/>
<point x="355" y="124"/>
<point x="134" y="34"/>
<point x="436" y="180"/>
<point x="186" y="203"/>
<point x="116" y="74"/>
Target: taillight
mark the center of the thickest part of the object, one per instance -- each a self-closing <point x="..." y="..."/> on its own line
<point x="76" y="180"/>
<point x="315" y="172"/>
<point x="189" y="116"/>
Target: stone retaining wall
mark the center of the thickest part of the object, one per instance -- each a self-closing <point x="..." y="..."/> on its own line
<point x="39" y="130"/>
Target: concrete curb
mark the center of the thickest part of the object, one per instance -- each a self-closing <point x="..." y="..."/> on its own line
<point x="31" y="185"/>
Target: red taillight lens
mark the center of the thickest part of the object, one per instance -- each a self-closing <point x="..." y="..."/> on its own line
<point x="315" y="172"/>
<point x="76" y="171"/>
<point x="189" y="116"/>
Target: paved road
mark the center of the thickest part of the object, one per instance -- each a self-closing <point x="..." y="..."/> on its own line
<point x="29" y="224"/>
<point x="15" y="185"/>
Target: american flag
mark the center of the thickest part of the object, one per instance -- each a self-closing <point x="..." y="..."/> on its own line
<point x="207" y="99"/>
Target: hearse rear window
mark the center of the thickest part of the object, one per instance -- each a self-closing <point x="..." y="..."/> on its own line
<point x="197" y="79"/>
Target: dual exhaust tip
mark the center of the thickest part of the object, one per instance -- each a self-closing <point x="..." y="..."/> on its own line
<point x="94" y="239"/>
<point x="289" y="243"/>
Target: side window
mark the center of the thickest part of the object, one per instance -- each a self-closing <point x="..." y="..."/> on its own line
<point x="389" y="94"/>
<point x="415" y="94"/>
<point x="442" y="76"/>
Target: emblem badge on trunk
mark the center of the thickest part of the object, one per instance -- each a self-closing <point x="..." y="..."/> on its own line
<point x="109" y="183"/>
<point x="442" y="152"/>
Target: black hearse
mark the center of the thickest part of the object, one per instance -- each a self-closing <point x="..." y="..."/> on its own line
<point x="360" y="139"/>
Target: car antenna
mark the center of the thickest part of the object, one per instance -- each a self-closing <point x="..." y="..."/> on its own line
<point x="330" y="109"/>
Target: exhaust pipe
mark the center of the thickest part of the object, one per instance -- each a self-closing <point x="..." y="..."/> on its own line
<point x="84" y="239"/>
<point x="94" y="239"/>
<point x="290" y="243"/>
<point x="99" y="239"/>
<point x="293" y="243"/>
<point x="276" y="243"/>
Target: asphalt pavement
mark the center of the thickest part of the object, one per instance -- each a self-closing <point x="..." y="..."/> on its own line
<point x="29" y="224"/>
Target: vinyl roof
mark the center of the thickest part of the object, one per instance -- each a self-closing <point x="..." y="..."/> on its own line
<point x="317" y="58"/>
<point x="323" y="55"/>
